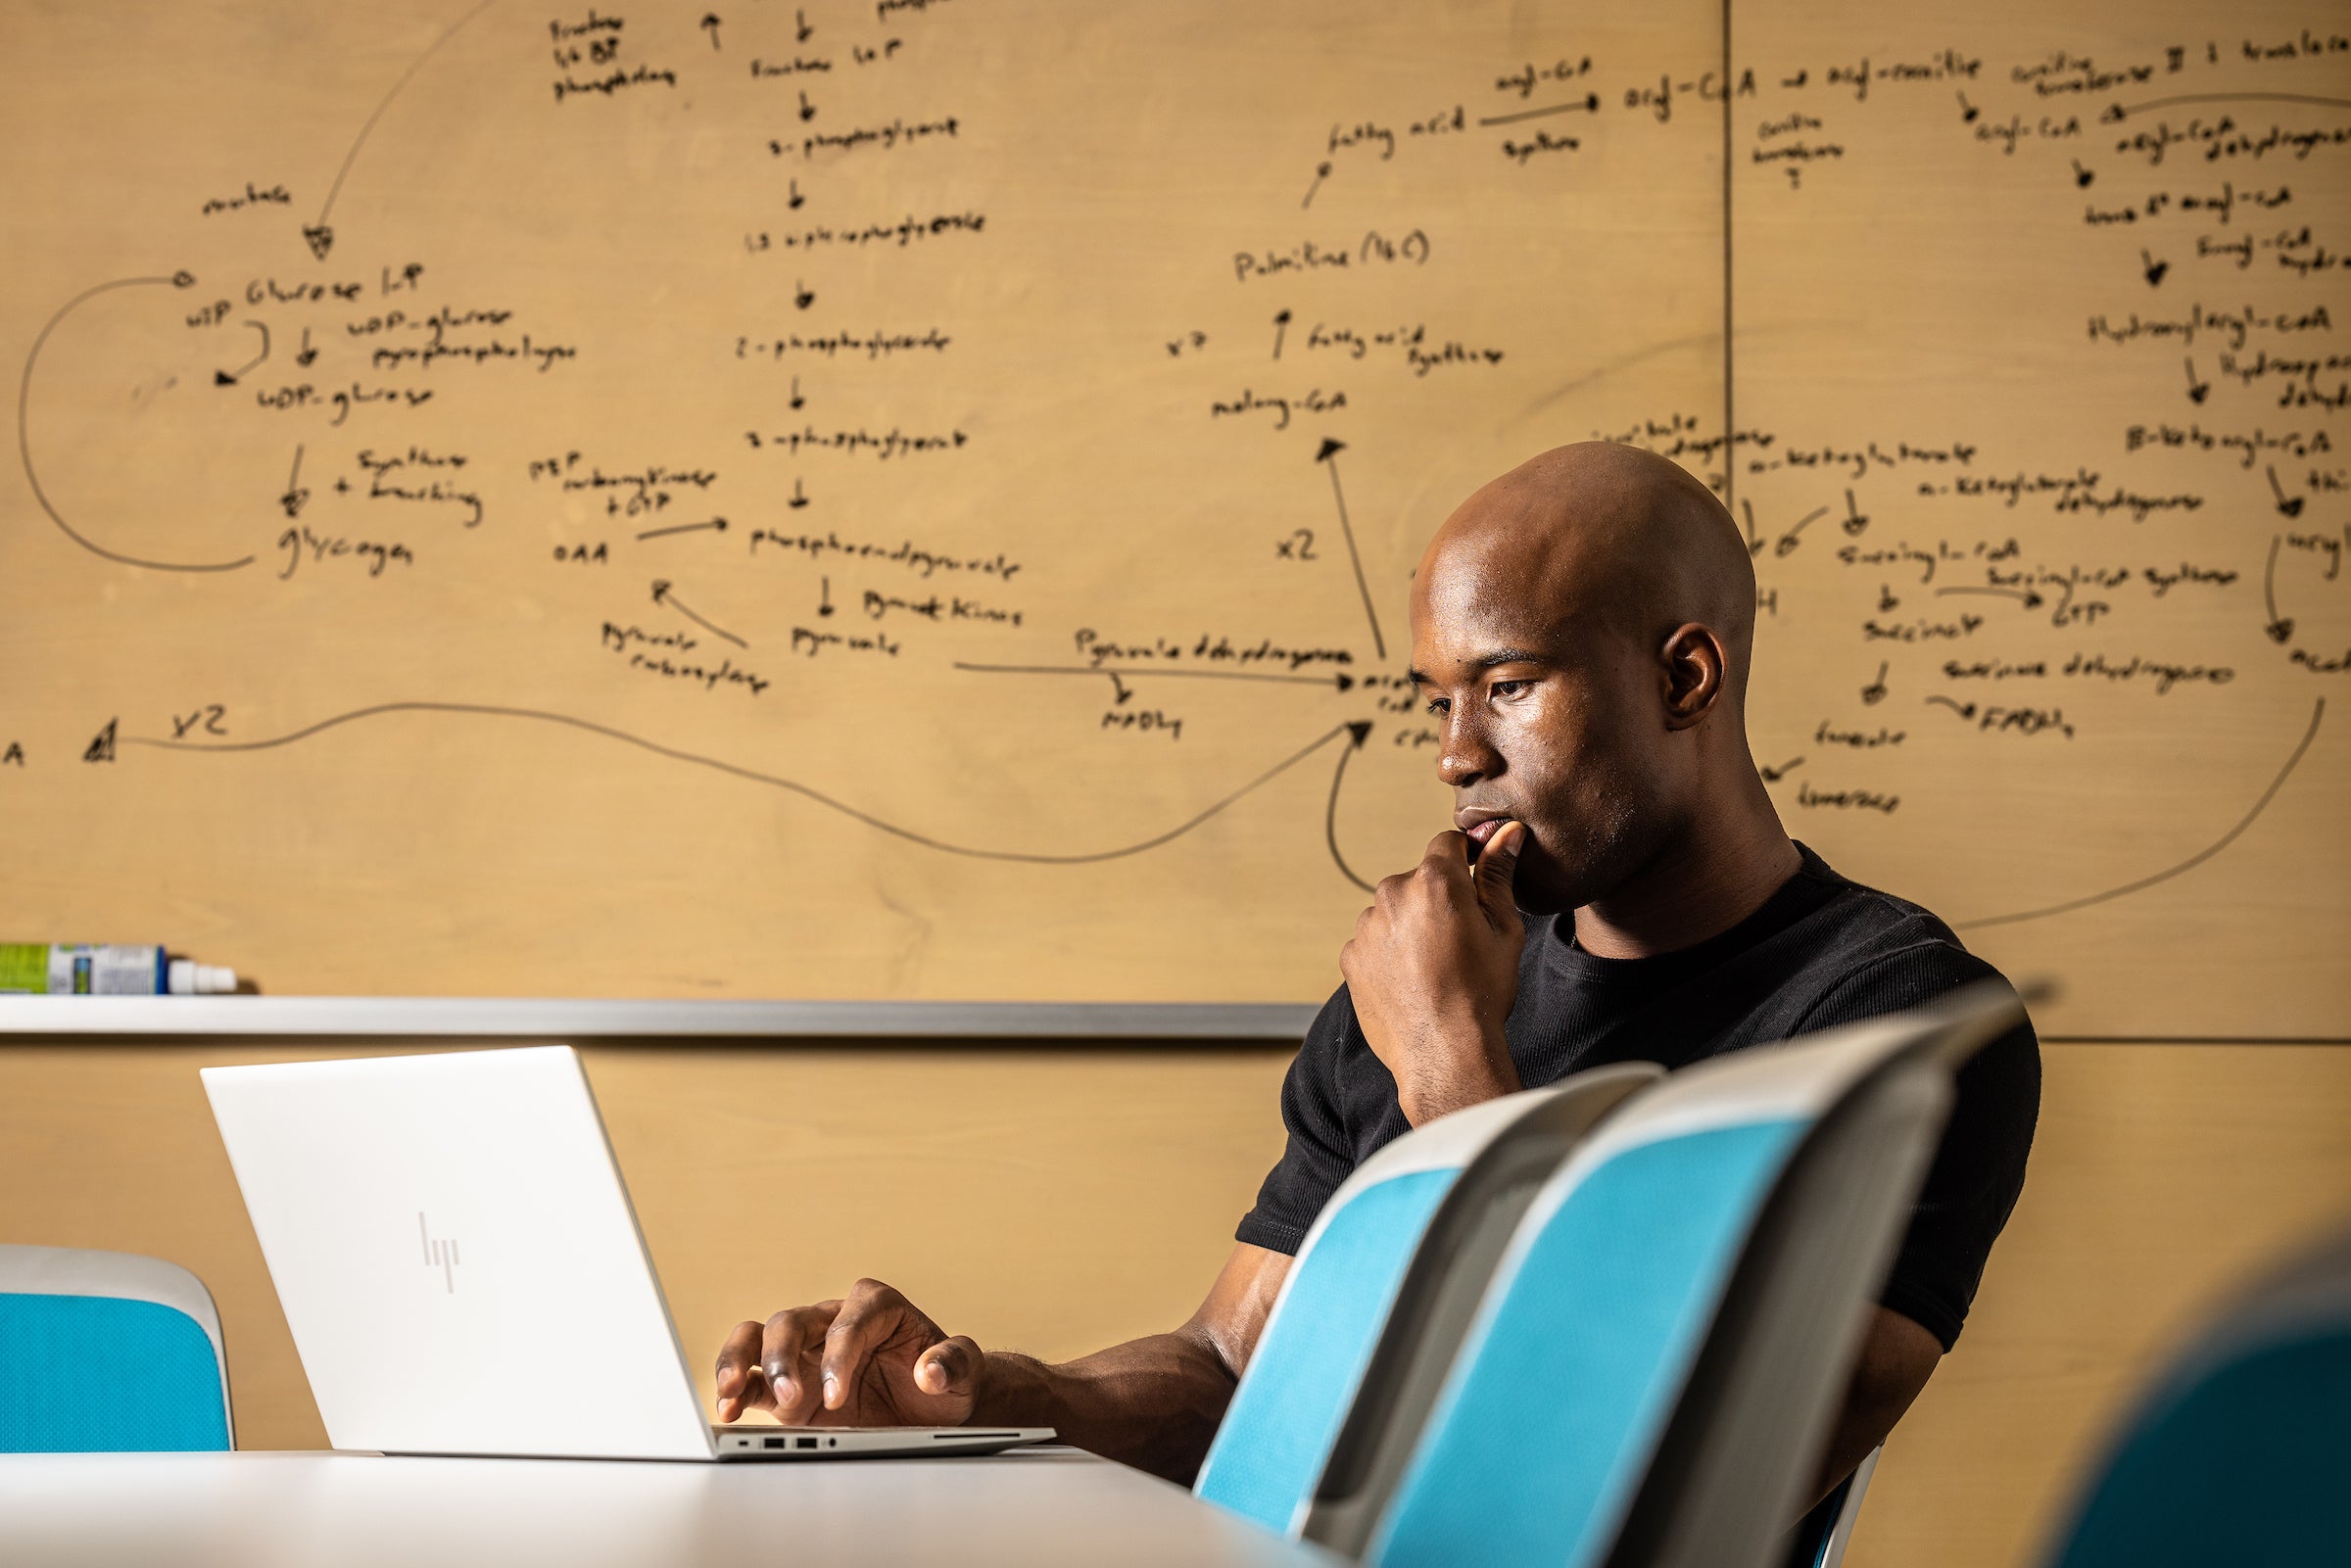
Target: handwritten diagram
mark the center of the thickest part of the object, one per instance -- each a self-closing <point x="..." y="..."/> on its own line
<point x="917" y="498"/>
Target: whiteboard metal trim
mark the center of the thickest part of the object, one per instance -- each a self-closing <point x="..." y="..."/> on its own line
<point x="502" y="1017"/>
<point x="571" y="1020"/>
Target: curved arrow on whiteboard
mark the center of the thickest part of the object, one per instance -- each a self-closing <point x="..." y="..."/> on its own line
<point x="2317" y="711"/>
<point x="321" y="234"/>
<point x="177" y="280"/>
<point x="1355" y="732"/>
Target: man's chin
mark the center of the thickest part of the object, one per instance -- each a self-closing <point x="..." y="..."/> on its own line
<point x="1538" y="894"/>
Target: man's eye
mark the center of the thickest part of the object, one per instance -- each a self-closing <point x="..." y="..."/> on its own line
<point x="1509" y="688"/>
<point x="1439" y="706"/>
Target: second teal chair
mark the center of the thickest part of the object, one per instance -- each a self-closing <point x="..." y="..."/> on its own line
<point x="108" y="1351"/>
<point x="1371" y="1279"/>
<point x="1654" y="1369"/>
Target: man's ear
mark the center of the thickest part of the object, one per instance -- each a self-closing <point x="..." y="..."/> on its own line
<point x="1695" y="666"/>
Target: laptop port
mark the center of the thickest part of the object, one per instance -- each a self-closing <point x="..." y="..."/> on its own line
<point x="803" y="1442"/>
<point x="771" y="1443"/>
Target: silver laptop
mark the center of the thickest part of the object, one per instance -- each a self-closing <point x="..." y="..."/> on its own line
<point x="463" y="1274"/>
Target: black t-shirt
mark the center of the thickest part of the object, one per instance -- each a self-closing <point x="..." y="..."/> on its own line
<point x="1822" y="951"/>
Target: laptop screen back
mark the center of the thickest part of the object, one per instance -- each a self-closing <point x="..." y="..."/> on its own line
<point x="457" y="1257"/>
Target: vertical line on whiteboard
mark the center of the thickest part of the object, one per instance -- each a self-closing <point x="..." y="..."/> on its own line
<point x="1730" y="427"/>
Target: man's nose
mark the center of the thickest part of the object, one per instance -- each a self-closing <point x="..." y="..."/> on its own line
<point x="1466" y="756"/>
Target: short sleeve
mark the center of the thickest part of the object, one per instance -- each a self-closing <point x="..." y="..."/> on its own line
<point x="1319" y="1156"/>
<point x="1979" y="1167"/>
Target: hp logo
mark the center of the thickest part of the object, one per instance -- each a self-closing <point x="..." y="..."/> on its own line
<point x="441" y="1254"/>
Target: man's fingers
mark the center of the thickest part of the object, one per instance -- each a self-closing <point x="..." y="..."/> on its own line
<point x="872" y="1313"/>
<point x="785" y="1352"/>
<point x="1447" y="850"/>
<point x="737" y="1367"/>
<point x="756" y="1396"/>
<point x="951" y="1367"/>
<point x="1497" y="865"/>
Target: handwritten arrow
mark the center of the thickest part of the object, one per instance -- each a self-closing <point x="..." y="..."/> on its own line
<point x="1357" y="734"/>
<point x="292" y="501"/>
<point x="1322" y="173"/>
<point x="2281" y="626"/>
<point x="1775" y="775"/>
<point x="1875" y="692"/>
<point x="2317" y="711"/>
<point x="799" y="496"/>
<point x="2124" y="111"/>
<point x="1282" y="326"/>
<point x="807" y="109"/>
<point x="662" y="595"/>
<point x="2030" y="599"/>
<point x="319" y="234"/>
<point x="33" y="358"/>
<point x="796" y="398"/>
<point x="710" y="27"/>
<point x="795" y="198"/>
<point x="716" y="525"/>
<point x="1588" y="104"/>
<point x="228" y="378"/>
<point x="2082" y="176"/>
<point x="801" y="295"/>
<point x="800" y="28"/>
<point x="2196" y="390"/>
<point x="1787" y="541"/>
<point x="1965" y="711"/>
<point x="1854" y="519"/>
<point x="824" y="595"/>
<point x="2153" y="268"/>
<point x="2290" y="506"/>
<point x="1967" y="110"/>
<point x="1755" y="540"/>
<point x="1341" y="683"/>
<point x="1329" y="451"/>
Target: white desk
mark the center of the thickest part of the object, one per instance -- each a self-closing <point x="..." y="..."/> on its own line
<point x="261" y="1510"/>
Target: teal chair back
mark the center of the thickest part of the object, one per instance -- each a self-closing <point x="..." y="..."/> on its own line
<point x="1656" y="1360"/>
<point x="77" y="1327"/>
<point x="2241" y="1454"/>
<point x="1358" y="1295"/>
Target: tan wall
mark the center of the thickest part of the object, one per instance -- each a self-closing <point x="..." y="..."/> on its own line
<point x="1057" y="1199"/>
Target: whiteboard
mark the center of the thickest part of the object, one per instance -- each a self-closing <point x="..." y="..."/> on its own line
<point x="913" y="500"/>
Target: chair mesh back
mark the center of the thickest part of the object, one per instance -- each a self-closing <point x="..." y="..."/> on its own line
<point x="1564" y="1387"/>
<point x="1277" y="1433"/>
<point x="66" y="1363"/>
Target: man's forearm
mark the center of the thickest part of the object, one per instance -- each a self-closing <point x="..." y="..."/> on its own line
<point x="1152" y="1402"/>
<point x="1446" y="1081"/>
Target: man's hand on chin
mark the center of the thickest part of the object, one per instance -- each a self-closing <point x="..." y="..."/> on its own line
<point x="1433" y="972"/>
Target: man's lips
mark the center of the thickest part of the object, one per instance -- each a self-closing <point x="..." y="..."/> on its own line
<point x="1480" y="823"/>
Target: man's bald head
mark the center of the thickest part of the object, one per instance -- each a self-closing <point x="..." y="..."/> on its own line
<point x="1599" y="526"/>
<point x="1583" y="626"/>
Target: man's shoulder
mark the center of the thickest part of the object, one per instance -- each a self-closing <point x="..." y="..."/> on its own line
<point x="1870" y="922"/>
<point x="1872" y="950"/>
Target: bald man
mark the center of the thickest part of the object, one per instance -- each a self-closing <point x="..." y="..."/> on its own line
<point x="1617" y="887"/>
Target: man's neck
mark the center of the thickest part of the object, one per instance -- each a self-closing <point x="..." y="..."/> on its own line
<point x="1703" y="882"/>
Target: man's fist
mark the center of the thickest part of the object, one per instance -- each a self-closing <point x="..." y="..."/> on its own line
<point x="871" y="1358"/>
<point x="1433" y="972"/>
